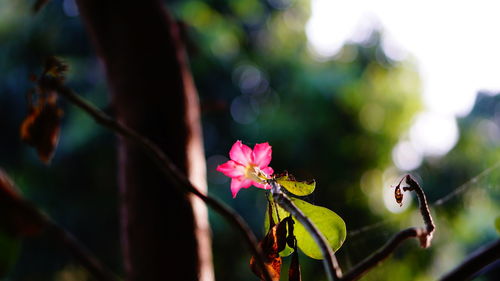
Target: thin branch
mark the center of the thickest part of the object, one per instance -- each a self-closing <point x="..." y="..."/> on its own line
<point x="332" y="268"/>
<point x="424" y="234"/>
<point x="34" y="221"/>
<point x="381" y="254"/>
<point x="474" y="263"/>
<point x="182" y="183"/>
<point x="80" y="253"/>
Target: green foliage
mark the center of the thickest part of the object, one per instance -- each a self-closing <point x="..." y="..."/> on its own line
<point x="299" y="188"/>
<point x="9" y="252"/>
<point x="328" y="223"/>
<point x="343" y="114"/>
<point x="497" y="224"/>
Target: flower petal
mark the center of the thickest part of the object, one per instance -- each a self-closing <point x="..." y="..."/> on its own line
<point x="260" y="185"/>
<point x="239" y="183"/>
<point x="262" y="154"/>
<point x="268" y="170"/>
<point x="241" y="153"/>
<point x="231" y="169"/>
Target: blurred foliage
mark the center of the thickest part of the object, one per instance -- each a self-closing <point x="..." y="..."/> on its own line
<point x="335" y="120"/>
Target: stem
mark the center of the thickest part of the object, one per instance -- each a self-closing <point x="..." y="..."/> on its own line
<point x="182" y="183"/>
<point x="474" y="263"/>
<point x="35" y="221"/>
<point x="423" y="234"/>
<point x="80" y="253"/>
<point x="381" y="254"/>
<point x="330" y="262"/>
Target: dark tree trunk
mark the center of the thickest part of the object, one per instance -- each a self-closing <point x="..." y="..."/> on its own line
<point x="165" y="234"/>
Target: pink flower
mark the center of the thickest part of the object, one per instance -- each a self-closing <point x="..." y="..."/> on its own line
<point x="248" y="167"/>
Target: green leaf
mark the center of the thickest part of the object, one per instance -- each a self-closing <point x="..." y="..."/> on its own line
<point x="9" y="252"/>
<point x="497" y="224"/>
<point x="328" y="223"/>
<point x="299" y="188"/>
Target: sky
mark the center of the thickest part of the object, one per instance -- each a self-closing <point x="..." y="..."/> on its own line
<point x="454" y="44"/>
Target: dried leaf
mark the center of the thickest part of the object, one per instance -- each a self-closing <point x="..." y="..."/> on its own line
<point x="398" y="195"/>
<point x="281" y="234"/>
<point x="55" y="68"/>
<point x="272" y="259"/>
<point x="41" y="127"/>
<point x="294" y="273"/>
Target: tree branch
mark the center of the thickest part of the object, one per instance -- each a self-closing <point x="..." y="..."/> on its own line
<point x="474" y="263"/>
<point x="26" y="220"/>
<point x="80" y="253"/>
<point x="332" y="268"/>
<point x="424" y="234"/>
<point x="183" y="184"/>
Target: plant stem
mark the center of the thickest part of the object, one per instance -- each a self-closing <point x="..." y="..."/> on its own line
<point x="183" y="184"/>
<point x="330" y="262"/>
<point x="35" y="222"/>
<point x="423" y="234"/>
<point x="80" y="253"/>
<point x="474" y="263"/>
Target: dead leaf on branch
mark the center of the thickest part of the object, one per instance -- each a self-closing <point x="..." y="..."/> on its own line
<point x="270" y="246"/>
<point x="41" y="127"/>
<point x="294" y="273"/>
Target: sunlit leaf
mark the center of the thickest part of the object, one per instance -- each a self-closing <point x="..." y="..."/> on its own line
<point x="299" y="188"/>
<point x="328" y="223"/>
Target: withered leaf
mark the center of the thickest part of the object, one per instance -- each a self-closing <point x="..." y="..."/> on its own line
<point x="281" y="234"/>
<point x="294" y="273"/>
<point x="398" y="196"/>
<point x="272" y="259"/>
<point x="41" y="127"/>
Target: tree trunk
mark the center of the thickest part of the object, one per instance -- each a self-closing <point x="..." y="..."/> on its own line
<point x="165" y="235"/>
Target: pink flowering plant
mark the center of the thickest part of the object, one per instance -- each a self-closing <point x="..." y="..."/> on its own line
<point x="248" y="167"/>
<point x="285" y="234"/>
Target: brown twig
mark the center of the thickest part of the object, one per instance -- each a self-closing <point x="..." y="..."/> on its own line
<point x="332" y="268"/>
<point x="474" y="263"/>
<point x="24" y="219"/>
<point x="424" y="234"/>
<point x="168" y="167"/>
<point x="80" y="253"/>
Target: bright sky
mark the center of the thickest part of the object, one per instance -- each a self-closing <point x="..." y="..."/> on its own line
<point x="455" y="44"/>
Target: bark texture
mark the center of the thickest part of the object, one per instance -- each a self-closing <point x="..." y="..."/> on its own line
<point x="164" y="234"/>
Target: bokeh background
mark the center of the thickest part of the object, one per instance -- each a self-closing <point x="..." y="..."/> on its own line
<point x="352" y="112"/>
